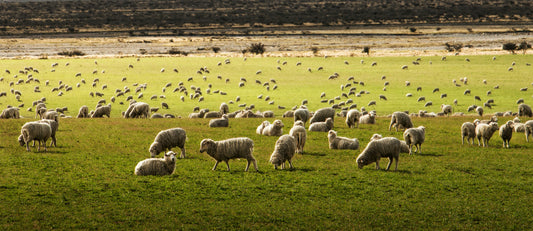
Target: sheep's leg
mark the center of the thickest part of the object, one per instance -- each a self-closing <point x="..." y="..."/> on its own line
<point x="255" y="165"/>
<point x="227" y="164"/>
<point x="396" y="167"/>
<point x="390" y="163"/>
<point x="377" y="164"/>
<point x="463" y="140"/>
<point x="215" y="167"/>
<point x="479" y="141"/>
<point x="44" y="143"/>
<point x="182" y="152"/>
<point x="290" y="164"/>
<point x="28" y="146"/>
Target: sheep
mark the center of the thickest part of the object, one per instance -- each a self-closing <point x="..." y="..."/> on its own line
<point x="302" y="114"/>
<point x="321" y="126"/>
<point x="528" y="129"/>
<point x="54" y="125"/>
<point x="369" y="118"/>
<point x="323" y="113"/>
<point x="261" y="127"/>
<point x="376" y="149"/>
<point x="400" y="119"/>
<point x="101" y="111"/>
<point x="10" y="113"/>
<point x="138" y="110"/>
<point x="352" y="118"/>
<point x="274" y="129"/>
<point x="34" y="131"/>
<point x="268" y="114"/>
<point x="288" y="114"/>
<point x="221" y="122"/>
<point x="224" y="150"/>
<point x="199" y="114"/>
<point x="506" y="133"/>
<point x="524" y="110"/>
<point x="167" y="139"/>
<point x="52" y="115"/>
<point x="446" y="109"/>
<point x="283" y="151"/>
<point x="484" y="133"/>
<point x="415" y="137"/>
<point x="300" y="135"/>
<point x="83" y="112"/>
<point x="468" y="130"/>
<point x="157" y="166"/>
<point x="479" y="111"/>
<point x="339" y="142"/>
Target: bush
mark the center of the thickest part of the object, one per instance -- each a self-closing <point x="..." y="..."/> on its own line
<point x="257" y="48"/>
<point x="451" y="47"/>
<point x="314" y="50"/>
<point x="176" y="51"/>
<point x="71" y="53"/>
<point x="523" y="46"/>
<point x="366" y="50"/>
<point x="216" y="49"/>
<point x="511" y="47"/>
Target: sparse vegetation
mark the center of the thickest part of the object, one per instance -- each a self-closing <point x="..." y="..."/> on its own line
<point x="257" y="48"/>
<point x="453" y="47"/>
<point x="511" y="47"/>
<point x="71" y="53"/>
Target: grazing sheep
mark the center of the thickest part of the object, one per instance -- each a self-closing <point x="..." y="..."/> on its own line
<point x="300" y="135"/>
<point x="339" y="142"/>
<point x="506" y="133"/>
<point x="321" y="126"/>
<point x="479" y="111"/>
<point x="322" y="114"/>
<point x="31" y="131"/>
<point x="233" y="148"/>
<point x="221" y="122"/>
<point x="10" y="113"/>
<point x="387" y="147"/>
<point x="446" y="109"/>
<point x="101" y="111"/>
<point x="468" y="130"/>
<point x="302" y="115"/>
<point x="400" y="119"/>
<point x="528" y="129"/>
<point x="51" y="115"/>
<point x="138" y="110"/>
<point x="167" y="139"/>
<point x="274" y="129"/>
<point x="157" y="166"/>
<point x="524" y="110"/>
<point x="83" y="112"/>
<point x="283" y="151"/>
<point x="352" y="118"/>
<point x="484" y="133"/>
<point x="54" y="125"/>
<point x="415" y="137"/>
<point x="369" y="118"/>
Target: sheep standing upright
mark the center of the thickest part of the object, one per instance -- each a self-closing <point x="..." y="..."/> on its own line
<point x="83" y="112"/>
<point x="387" y="147"/>
<point x="321" y="126"/>
<point x="138" y="110"/>
<point x="274" y="129"/>
<point x="339" y="142"/>
<point x="167" y="139"/>
<point x="233" y="148"/>
<point x="157" y="166"/>
<point x="55" y="126"/>
<point x="415" y="137"/>
<point x="34" y="131"/>
<point x="484" y="133"/>
<point x="99" y="112"/>
<point x="283" y="151"/>
<point x="10" y="113"/>
<point x="301" y="114"/>
<point x="468" y="130"/>
<point x="400" y="119"/>
<point x="300" y="135"/>
<point x="446" y="109"/>
<point x="352" y="118"/>
<point x="524" y="110"/>
<point x="528" y="129"/>
<point x="322" y="114"/>
<point x="506" y="133"/>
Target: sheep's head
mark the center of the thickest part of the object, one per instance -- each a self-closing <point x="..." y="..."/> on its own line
<point x="155" y="149"/>
<point x="493" y="126"/>
<point x="298" y="123"/>
<point x="361" y="162"/>
<point x="205" y="144"/>
<point x="376" y="137"/>
<point x="278" y="124"/>
<point x="21" y="140"/>
<point x="170" y="156"/>
<point x="332" y="134"/>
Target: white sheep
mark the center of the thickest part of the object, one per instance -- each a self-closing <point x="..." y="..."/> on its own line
<point x="352" y="118"/>
<point x="400" y="119"/>
<point x="506" y="133"/>
<point x="220" y="122"/>
<point x="468" y="130"/>
<point x="83" y="112"/>
<point x="369" y="118"/>
<point x="10" y="113"/>
<point x="301" y="114"/>
<point x="233" y="148"/>
<point x="101" y="111"/>
<point x="528" y="129"/>
<point x="167" y="139"/>
<point x="273" y="129"/>
<point x="339" y="142"/>
<point x="446" y="109"/>
<point x="138" y="110"/>
<point x="415" y="137"/>
<point x="55" y="126"/>
<point x="51" y="115"/>
<point x="34" y="131"/>
<point x="322" y="114"/>
<point x="404" y="148"/>
<point x="157" y="166"/>
<point x="261" y="127"/>
<point x="283" y="151"/>
<point x="386" y="147"/>
<point x="524" y="110"/>
<point x="321" y="126"/>
<point x="484" y="133"/>
<point x="300" y="135"/>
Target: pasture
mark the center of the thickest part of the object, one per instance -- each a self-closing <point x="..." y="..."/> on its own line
<point x="87" y="182"/>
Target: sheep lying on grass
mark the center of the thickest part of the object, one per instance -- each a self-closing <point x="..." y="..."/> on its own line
<point x="321" y="126"/>
<point x="283" y="151"/>
<point x="274" y="129"/>
<point x="233" y="148"/>
<point x="400" y="119"/>
<point x="506" y="133"/>
<point x="167" y="139"/>
<point x="484" y="133"/>
<point x="157" y="166"/>
<point x="34" y="131"/>
<point x="220" y="122"/>
<point x="415" y="137"/>
<point x="261" y="127"/>
<point x="10" y="113"/>
<point x="300" y="135"/>
<point x="339" y="142"/>
<point x="468" y="130"/>
<point x="387" y="147"/>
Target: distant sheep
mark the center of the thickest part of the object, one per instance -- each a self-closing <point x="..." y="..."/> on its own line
<point x="31" y="131"/>
<point x="101" y="111"/>
<point x="233" y="148"/>
<point x="369" y="118"/>
<point x="387" y="147"/>
<point x="468" y="130"/>
<point x="446" y="109"/>
<point x="484" y="133"/>
<point x="400" y="119"/>
<point x="157" y="166"/>
<point x="322" y="114"/>
<point x="220" y="122"/>
<point x="352" y="118"/>
<point x="274" y="129"/>
<point x="283" y="151"/>
<point x="300" y="135"/>
<point x="506" y="133"/>
<point x="138" y="110"/>
<point x="339" y="142"/>
<point x="51" y="115"/>
<point x="302" y="115"/>
<point x="321" y="126"/>
<point x="524" y="110"/>
<point x="83" y="112"/>
<point x="167" y="139"/>
<point x="415" y="137"/>
<point x="10" y="113"/>
<point x="199" y="114"/>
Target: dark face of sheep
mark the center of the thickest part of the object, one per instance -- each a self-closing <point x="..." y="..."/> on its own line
<point x="21" y="141"/>
<point x="154" y="149"/>
<point x="361" y="163"/>
<point x="204" y="145"/>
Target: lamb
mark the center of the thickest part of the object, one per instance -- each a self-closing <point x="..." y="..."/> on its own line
<point x="302" y="115"/>
<point x="400" y="119"/>
<point x="415" y="137"/>
<point x="339" y="142"/>
<point x="446" y="109"/>
<point x="221" y="122"/>
<point x="283" y="151"/>
<point x="101" y="111"/>
<point x="506" y="133"/>
<point x="83" y="112"/>
<point x="157" y="166"/>
<point x="484" y="133"/>
<point x="224" y="150"/>
<point x="524" y="110"/>
<point x="34" y="131"/>
<point x="300" y="135"/>
<point x="376" y="149"/>
<point x="468" y="130"/>
<point x="352" y="118"/>
<point x="10" y="113"/>
<point x="274" y="129"/>
<point x="138" y="110"/>
<point x="321" y="126"/>
<point x="167" y="139"/>
<point x="54" y="125"/>
<point x="322" y="114"/>
<point x="369" y="118"/>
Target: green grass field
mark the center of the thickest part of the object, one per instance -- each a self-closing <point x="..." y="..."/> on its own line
<point x="87" y="182"/>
